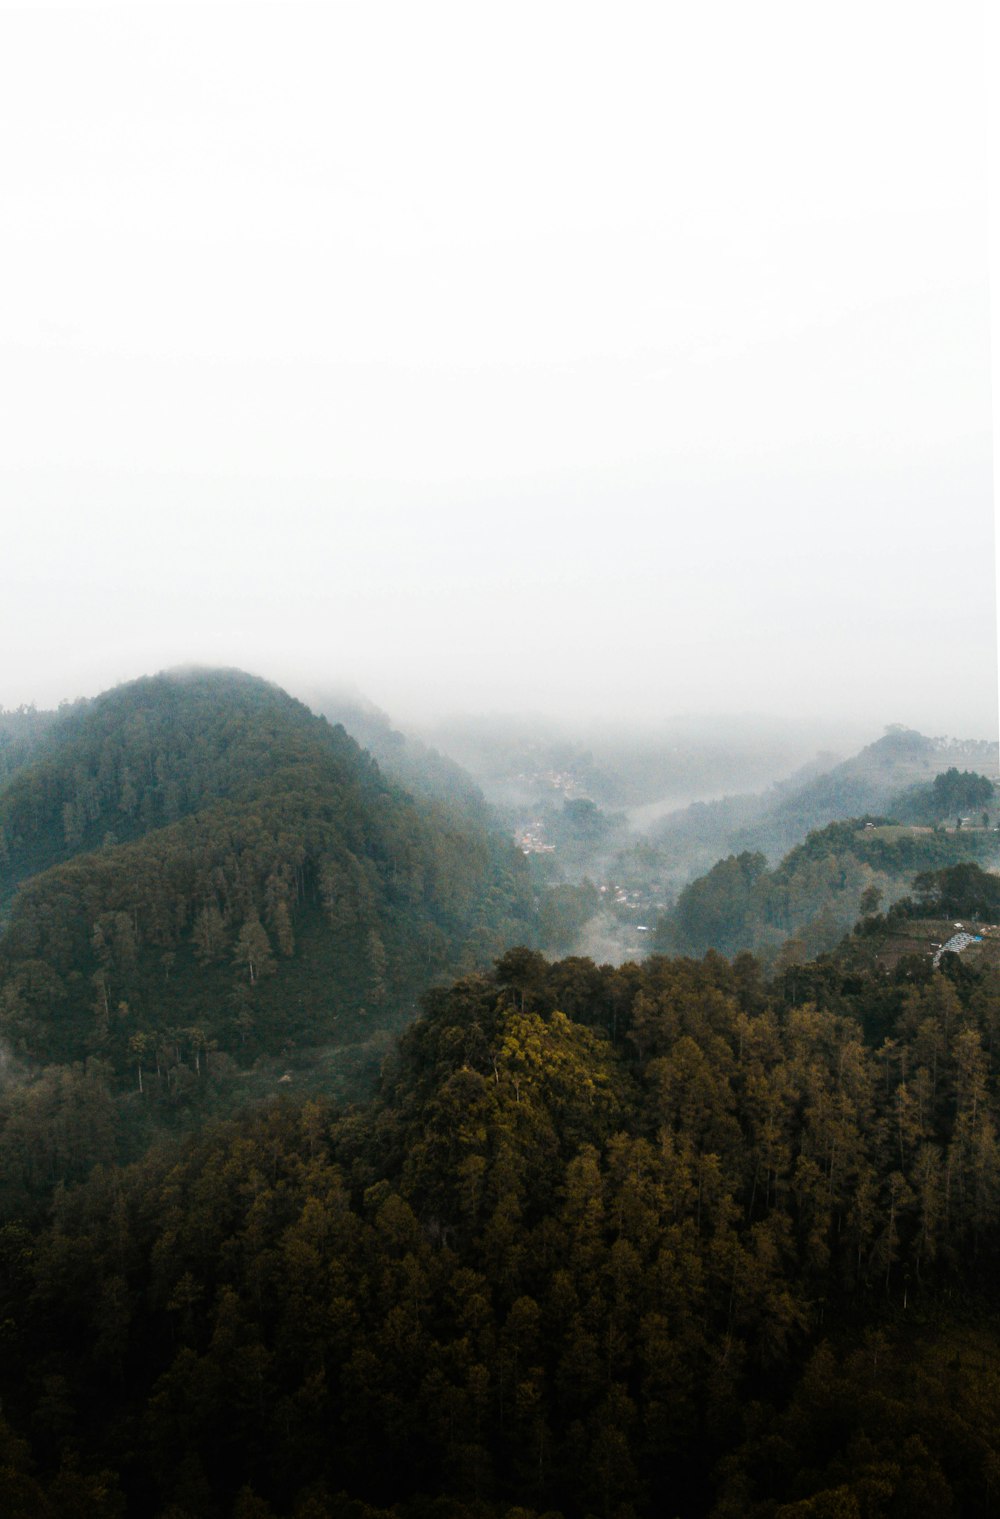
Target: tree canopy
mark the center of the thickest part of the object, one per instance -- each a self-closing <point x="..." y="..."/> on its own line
<point x="693" y="1247"/>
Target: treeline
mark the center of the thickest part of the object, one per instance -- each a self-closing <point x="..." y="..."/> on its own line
<point x="806" y="903"/>
<point x="419" y="769"/>
<point x="22" y="732"/>
<point x="296" y="886"/>
<point x="959" y="889"/>
<point x="893" y="777"/>
<point x="952" y="793"/>
<point x="149" y="753"/>
<point x="658" y="1239"/>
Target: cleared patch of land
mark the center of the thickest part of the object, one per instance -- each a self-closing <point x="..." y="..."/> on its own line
<point x="925" y="936"/>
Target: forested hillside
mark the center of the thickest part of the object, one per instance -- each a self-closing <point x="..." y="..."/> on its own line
<point x="892" y="777"/>
<point x="148" y="753"/>
<point x="21" y="735"/>
<point x="807" y="902"/>
<point x="419" y="768"/>
<point x="658" y="1240"/>
<point x="203" y="864"/>
<point x="951" y="794"/>
<point x="702" y="1238"/>
<point x="871" y="781"/>
<point x="642" y="866"/>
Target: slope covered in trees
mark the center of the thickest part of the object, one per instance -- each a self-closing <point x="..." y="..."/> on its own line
<point x="22" y="733"/>
<point x="660" y="1239"/>
<point x="203" y="863"/>
<point x="807" y="902"/>
<point x="414" y="765"/>
<point x="666" y="1238"/>
<point x="148" y="753"/>
<point x="904" y="775"/>
<point x="951" y="794"/>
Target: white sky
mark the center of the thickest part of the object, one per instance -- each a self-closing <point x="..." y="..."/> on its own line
<point x="628" y="358"/>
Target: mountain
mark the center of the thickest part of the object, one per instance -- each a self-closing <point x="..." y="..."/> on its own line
<point x="202" y="863"/>
<point x="418" y="767"/>
<point x="869" y="783"/>
<point x="806" y="903"/>
<point x="525" y="761"/>
<point x="22" y="733"/>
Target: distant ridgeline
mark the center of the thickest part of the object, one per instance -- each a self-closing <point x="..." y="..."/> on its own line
<point x="949" y="797"/>
<point x="903" y="775"/>
<point x="678" y="1237"/>
<point x="819" y="890"/>
<point x="21" y="734"/>
<point x="198" y="861"/>
<point x="414" y="765"/>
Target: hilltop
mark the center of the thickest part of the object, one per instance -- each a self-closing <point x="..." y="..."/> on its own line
<point x="417" y="766"/>
<point x="806" y="903"/>
<point x="22" y="732"/>
<point x="201" y="863"/>
<point x="872" y="782"/>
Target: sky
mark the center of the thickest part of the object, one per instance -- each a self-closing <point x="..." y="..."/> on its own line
<point x="584" y="359"/>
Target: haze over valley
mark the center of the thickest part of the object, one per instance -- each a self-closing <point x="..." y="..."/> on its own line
<point x="250" y="956"/>
<point x="499" y="762"/>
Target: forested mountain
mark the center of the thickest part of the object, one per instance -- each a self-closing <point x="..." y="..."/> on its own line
<point x="885" y="778"/>
<point x="416" y="766"/>
<point x="21" y="735"/>
<point x="148" y="753"/>
<point x="529" y="760"/>
<point x="871" y="781"/>
<point x="807" y="902"/>
<point x="700" y="1238"/>
<point x="655" y="1240"/>
<point x="947" y="798"/>
<point x="203" y="863"/>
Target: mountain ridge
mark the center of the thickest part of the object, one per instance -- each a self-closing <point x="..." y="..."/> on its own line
<point x="271" y="884"/>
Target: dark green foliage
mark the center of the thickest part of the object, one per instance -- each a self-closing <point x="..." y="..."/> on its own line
<point x="650" y="1240"/>
<point x="713" y="912"/>
<point x="149" y="753"/>
<point x="293" y="886"/>
<point x="691" y="1249"/>
<point x="583" y="820"/>
<point x="563" y="911"/>
<point x="22" y="734"/>
<point x="900" y="1424"/>
<point x="960" y="889"/>
<point x="949" y="795"/>
<point x="813" y="897"/>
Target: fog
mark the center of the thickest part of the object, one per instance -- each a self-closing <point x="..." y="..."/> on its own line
<point x="605" y="366"/>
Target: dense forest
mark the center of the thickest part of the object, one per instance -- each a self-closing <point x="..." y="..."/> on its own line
<point x="810" y="899"/>
<point x="659" y="1239"/>
<point x="319" y="1199"/>
<point x="201" y="864"/>
<point x="904" y="775"/>
<point x="417" y="767"/>
<point x="764" y="871"/>
<point x="22" y="732"/>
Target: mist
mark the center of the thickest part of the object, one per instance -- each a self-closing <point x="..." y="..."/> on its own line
<point x="639" y="373"/>
<point x="708" y="613"/>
